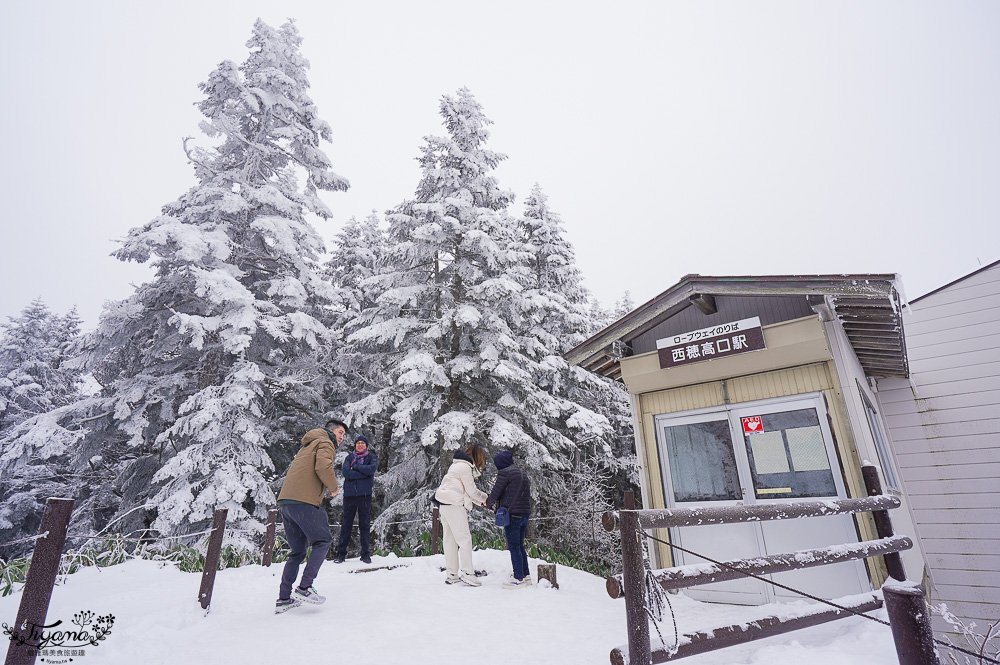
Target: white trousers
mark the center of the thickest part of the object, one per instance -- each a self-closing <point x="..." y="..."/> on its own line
<point x="457" y="539"/>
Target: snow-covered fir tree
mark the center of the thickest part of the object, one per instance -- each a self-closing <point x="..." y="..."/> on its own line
<point x="214" y="366"/>
<point x="563" y="319"/>
<point x="595" y="411"/>
<point x="467" y="325"/>
<point x="436" y="321"/>
<point x="554" y="281"/>
<point x="358" y="253"/>
<point x="240" y="288"/>
<point x="356" y="257"/>
<point x="36" y="374"/>
<point x="624" y="305"/>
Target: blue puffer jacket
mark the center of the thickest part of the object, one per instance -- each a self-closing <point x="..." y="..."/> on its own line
<point x="513" y="490"/>
<point x="359" y="474"/>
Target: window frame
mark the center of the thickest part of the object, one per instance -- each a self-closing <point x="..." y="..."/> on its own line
<point x="881" y="441"/>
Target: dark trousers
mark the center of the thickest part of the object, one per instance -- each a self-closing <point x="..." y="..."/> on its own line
<point x="305" y="526"/>
<point x="362" y="507"/>
<point x="515" y="532"/>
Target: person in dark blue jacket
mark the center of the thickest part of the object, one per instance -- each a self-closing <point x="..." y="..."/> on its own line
<point x="359" y="476"/>
<point x="513" y="491"/>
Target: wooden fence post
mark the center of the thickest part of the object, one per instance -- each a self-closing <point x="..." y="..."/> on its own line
<point x="634" y="586"/>
<point x="38" y="584"/>
<point x="883" y="523"/>
<point x="435" y="530"/>
<point x="272" y="519"/>
<point x="547" y="571"/>
<point x="910" y="620"/>
<point x="212" y="558"/>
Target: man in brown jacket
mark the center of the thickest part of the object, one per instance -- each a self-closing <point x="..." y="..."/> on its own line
<point x="310" y="478"/>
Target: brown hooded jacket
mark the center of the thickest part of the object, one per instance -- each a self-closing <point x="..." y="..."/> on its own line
<point x="312" y="470"/>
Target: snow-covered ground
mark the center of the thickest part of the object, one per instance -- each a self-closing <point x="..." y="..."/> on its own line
<point x="405" y="615"/>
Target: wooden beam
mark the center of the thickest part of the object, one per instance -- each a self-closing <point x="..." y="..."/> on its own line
<point x="682" y="577"/>
<point x="663" y="518"/>
<point x="718" y="638"/>
<point x="704" y="302"/>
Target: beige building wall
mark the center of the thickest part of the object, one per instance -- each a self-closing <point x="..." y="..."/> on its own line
<point x="797" y="361"/>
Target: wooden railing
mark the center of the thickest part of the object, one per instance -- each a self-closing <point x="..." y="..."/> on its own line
<point x="909" y="617"/>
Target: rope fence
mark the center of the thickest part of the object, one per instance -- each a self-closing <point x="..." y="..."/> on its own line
<point x="148" y="539"/>
<point x="909" y="614"/>
<point x="810" y="596"/>
<point x="49" y="543"/>
<point x="25" y="540"/>
<point x="101" y="535"/>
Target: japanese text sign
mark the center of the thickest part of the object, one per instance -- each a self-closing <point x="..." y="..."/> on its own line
<point x="719" y="341"/>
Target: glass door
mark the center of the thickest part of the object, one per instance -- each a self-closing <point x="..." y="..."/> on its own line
<point x="791" y="457"/>
<point x="702" y="469"/>
<point x="768" y="451"/>
<point x="787" y="454"/>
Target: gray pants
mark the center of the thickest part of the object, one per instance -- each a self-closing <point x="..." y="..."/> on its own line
<point x="305" y="526"/>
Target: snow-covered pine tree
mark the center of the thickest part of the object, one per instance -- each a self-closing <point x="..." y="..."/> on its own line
<point x="624" y="305"/>
<point x="356" y="259"/>
<point x="555" y="318"/>
<point x="356" y="256"/>
<point x="594" y="412"/>
<point x="553" y="273"/>
<point x="441" y="323"/>
<point x="38" y="376"/>
<point x="599" y="315"/>
<point x="35" y="375"/>
<point x="212" y="368"/>
<point x="239" y="284"/>
<point x="473" y="311"/>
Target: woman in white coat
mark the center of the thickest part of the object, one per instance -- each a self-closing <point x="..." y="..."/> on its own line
<point x="458" y="494"/>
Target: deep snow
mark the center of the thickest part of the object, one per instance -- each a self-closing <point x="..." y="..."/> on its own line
<point x="404" y="615"/>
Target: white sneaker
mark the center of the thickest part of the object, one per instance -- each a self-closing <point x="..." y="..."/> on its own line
<point x="287" y="604"/>
<point x="309" y="596"/>
<point x="527" y="580"/>
<point x="514" y="583"/>
<point x="470" y="579"/>
<point x="453" y="579"/>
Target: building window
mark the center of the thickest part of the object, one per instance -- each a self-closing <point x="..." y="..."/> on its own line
<point x="788" y="456"/>
<point x="881" y="445"/>
<point x="702" y="463"/>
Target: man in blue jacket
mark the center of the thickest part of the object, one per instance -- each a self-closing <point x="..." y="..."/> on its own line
<point x="359" y="475"/>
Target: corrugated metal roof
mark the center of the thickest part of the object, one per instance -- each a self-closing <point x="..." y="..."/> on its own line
<point x="867" y="305"/>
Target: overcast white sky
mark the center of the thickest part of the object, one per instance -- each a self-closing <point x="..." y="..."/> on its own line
<point x="719" y="138"/>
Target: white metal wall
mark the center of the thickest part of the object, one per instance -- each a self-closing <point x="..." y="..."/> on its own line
<point x="945" y="431"/>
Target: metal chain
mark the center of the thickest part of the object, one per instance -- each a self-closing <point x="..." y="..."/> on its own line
<point x="816" y="598"/>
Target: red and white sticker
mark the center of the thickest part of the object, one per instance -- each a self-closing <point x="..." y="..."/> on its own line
<point x="752" y="425"/>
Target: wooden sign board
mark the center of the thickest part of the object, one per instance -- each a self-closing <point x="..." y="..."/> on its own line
<point x="719" y="341"/>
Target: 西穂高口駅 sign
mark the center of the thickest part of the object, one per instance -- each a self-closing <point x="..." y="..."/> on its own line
<point x="718" y="341"/>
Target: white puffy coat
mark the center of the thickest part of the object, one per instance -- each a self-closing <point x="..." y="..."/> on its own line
<point x="458" y="487"/>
